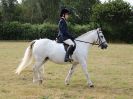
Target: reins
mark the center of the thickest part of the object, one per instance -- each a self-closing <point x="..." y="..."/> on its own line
<point x="92" y="43"/>
<point x="86" y="42"/>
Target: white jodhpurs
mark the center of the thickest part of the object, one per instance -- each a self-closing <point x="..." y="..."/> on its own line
<point x="69" y="42"/>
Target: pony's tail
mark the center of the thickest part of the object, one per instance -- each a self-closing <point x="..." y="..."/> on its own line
<point x="27" y="59"/>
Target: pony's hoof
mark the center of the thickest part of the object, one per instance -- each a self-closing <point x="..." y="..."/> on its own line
<point x="91" y="86"/>
<point x="35" y="81"/>
<point x="66" y="83"/>
<point x="40" y="82"/>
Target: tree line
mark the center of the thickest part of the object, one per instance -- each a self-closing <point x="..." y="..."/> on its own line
<point x="40" y="11"/>
<point x="115" y="16"/>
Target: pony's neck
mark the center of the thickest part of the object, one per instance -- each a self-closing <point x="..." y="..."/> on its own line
<point x="88" y="37"/>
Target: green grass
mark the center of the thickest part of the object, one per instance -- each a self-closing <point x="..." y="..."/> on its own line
<point x="111" y="71"/>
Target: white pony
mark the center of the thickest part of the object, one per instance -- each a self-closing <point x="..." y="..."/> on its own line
<point x="45" y="49"/>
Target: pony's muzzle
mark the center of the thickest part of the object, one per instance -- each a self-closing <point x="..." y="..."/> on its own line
<point x="104" y="45"/>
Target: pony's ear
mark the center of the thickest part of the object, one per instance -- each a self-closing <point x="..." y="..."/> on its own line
<point x="99" y="29"/>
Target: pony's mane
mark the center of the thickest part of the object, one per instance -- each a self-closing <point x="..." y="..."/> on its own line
<point x="86" y="33"/>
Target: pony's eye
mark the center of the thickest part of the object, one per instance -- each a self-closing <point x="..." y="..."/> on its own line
<point x="102" y="37"/>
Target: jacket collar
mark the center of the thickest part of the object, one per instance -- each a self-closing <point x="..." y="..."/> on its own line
<point x="63" y="18"/>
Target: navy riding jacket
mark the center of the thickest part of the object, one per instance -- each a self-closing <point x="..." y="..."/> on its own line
<point x="63" y="31"/>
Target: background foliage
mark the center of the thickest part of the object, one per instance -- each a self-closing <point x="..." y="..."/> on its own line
<point x="33" y="19"/>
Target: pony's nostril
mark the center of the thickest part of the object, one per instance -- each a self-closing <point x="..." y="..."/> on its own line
<point x="106" y="46"/>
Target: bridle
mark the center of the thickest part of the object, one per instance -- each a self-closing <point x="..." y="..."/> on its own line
<point x="96" y="43"/>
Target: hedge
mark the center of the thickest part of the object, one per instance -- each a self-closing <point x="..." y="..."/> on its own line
<point x="27" y="31"/>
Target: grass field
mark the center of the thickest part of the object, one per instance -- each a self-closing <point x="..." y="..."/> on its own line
<point x="111" y="71"/>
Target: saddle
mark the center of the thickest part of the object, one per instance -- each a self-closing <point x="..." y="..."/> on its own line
<point x="66" y="46"/>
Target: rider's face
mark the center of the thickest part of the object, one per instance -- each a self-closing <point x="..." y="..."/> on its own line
<point x="66" y="16"/>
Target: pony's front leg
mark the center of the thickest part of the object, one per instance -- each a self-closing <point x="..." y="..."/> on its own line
<point x="84" y="67"/>
<point x="67" y="80"/>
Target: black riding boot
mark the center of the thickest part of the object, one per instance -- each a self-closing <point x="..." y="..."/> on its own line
<point x="69" y="51"/>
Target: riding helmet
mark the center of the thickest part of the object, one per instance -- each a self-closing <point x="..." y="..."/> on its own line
<point x="64" y="11"/>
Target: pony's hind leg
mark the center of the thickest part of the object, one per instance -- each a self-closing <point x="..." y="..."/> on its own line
<point x="67" y="80"/>
<point x="38" y="72"/>
<point x="35" y="74"/>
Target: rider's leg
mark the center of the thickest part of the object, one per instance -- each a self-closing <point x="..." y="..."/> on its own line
<point x="69" y="42"/>
<point x="69" y="49"/>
